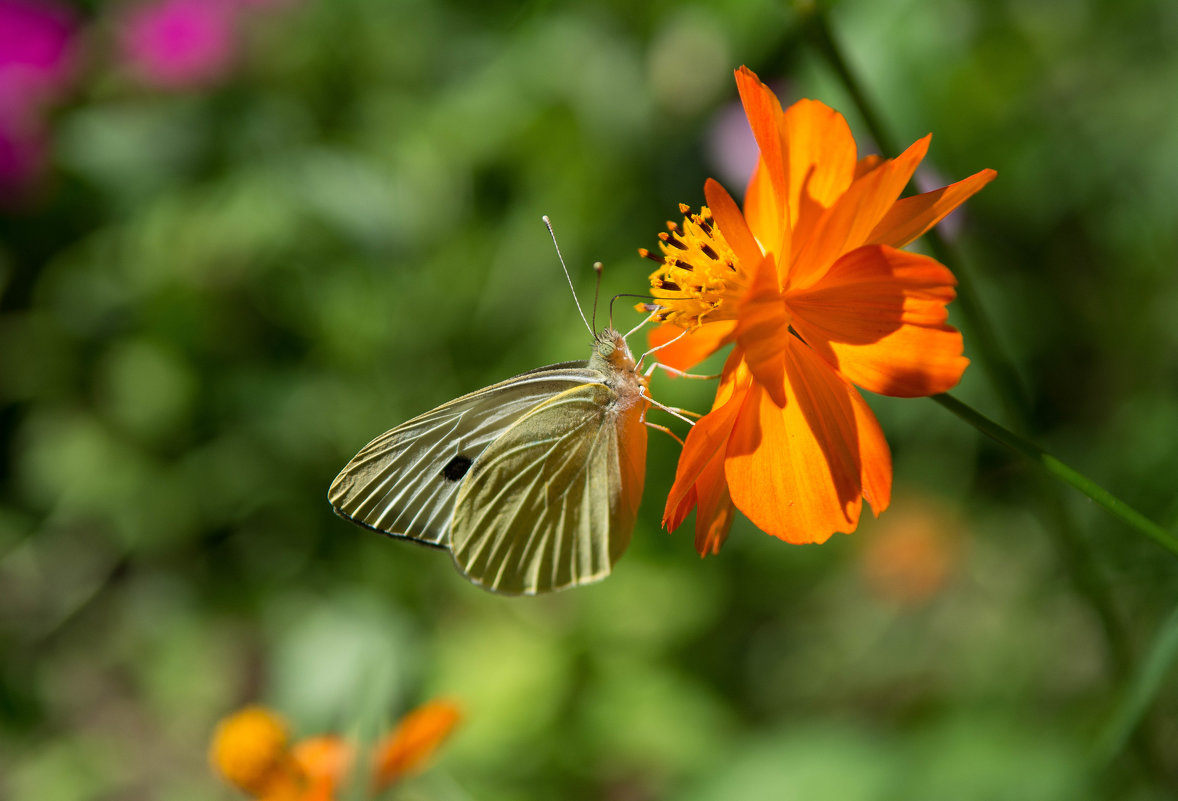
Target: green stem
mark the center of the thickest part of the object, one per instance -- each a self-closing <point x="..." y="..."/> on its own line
<point x="1140" y="691"/>
<point x="1055" y="467"/>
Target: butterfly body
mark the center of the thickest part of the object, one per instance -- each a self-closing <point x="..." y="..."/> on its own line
<point x="532" y="484"/>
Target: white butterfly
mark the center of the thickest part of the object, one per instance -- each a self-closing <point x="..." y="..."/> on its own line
<point x="532" y="483"/>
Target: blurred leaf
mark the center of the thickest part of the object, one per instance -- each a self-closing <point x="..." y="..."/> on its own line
<point x="1155" y="669"/>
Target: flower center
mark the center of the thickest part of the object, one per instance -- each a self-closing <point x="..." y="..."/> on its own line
<point x="699" y="278"/>
<point x="250" y="748"/>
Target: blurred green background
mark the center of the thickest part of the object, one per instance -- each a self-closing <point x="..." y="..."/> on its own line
<point x="217" y="285"/>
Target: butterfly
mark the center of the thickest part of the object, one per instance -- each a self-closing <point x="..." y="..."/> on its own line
<point x="532" y="484"/>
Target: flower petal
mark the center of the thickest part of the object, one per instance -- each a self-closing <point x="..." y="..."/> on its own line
<point x="689" y="348"/>
<point x="760" y="210"/>
<point x="867" y="164"/>
<point x="325" y="762"/>
<point x="732" y="225"/>
<point x="764" y="112"/>
<point x="714" y="512"/>
<point x="408" y="748"/>
<point x="847" y="224"/>
<point x="820" y="154"/>
<point x="762" y="330"/>
<point x="879" y="317"/>
<point x="706" y="440"/>
<point x="680" y="501"/>
<point x="912" y="216"/>
<point x="798" y="472"/>
<point x="875" y="457"/>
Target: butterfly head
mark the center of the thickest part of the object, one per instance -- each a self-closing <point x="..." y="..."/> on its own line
<point x="612" y="356"/>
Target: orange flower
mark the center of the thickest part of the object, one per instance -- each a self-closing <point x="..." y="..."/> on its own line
<point x="251" y="750"/>
<point x="409" y="747"/>
<point x="809" y="285"/>
<point x="914" y="555"/>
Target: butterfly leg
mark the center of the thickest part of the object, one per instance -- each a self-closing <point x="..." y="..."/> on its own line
<point x="671" y="410"/>
<point x="657" y="348"/>
<point x="679" y="373"/>
<point x="665" y="430"/>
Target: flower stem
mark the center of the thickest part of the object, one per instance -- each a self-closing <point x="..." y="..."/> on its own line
<point x="1140" y="691"/>
<point x="1055" y="467"/>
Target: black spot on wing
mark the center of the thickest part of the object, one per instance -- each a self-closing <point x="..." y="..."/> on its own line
<point x="456" y="468"/>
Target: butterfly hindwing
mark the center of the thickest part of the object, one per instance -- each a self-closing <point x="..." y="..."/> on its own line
<point x="552" y="502"/>
<point x="405" y="481"/>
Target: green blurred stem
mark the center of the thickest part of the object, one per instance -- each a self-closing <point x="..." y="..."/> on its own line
<point x="1141" y="691"/>
<point x="1058" y="469"/>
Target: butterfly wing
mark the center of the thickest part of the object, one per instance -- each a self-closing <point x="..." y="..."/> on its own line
<point x="405" y="482"/>
<point x="552" y="503"/>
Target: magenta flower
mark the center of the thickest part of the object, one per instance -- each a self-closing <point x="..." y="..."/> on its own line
<point x="176" y="44"/>
<point x="36" y="60"/>
<point x="22" y="160"/>
<point x="35" y="53"/>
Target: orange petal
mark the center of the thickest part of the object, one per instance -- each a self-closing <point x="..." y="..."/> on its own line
<point x="689" y="348"/>
<point x="409" y="747"/>
<point x="732" y="225"/>
<point x="912" y="216"/>
<point x="820" y="156"/>
<point x="715" y="512"/>
<point x="324" y="762"/>
<point x="847" y="223"/>
<point x="867" y="164"/>
<point x="764" y="113"/>
<point x="760" y="210"/>
<point x="680" y="501"/>
<point x="798" y="472"/>
<point x="706" y="440"/>
<point x="879" y="317"/>
<point x="762" y="330"/>
<point x="875" y="457"/>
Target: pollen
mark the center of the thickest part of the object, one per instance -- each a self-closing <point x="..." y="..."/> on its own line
<point x="699" y="278"/>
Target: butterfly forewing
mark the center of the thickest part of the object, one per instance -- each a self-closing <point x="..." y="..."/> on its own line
<point x="405" y="481"/>
<point x="551" y="503"/>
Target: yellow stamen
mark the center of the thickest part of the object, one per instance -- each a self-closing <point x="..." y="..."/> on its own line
<point x="699" y="276"/>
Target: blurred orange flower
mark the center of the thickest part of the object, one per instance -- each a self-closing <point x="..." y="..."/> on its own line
<point x="914" y="555"/>
<point x="251" y="750"/>
<point x="407" y="749"/>
<point x="810" y="286"/>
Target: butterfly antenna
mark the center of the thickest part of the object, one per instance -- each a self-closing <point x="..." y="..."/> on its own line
<point x="599" y="268"/>
<point x="649" y="306"/>
<point x="560" y="256"/>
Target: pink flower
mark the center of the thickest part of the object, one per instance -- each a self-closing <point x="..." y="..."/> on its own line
<point x="175" y="44"/>
<point x="22" y="159"/>
<point x="35" y="53"/>
<point x="36" y="59"/>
